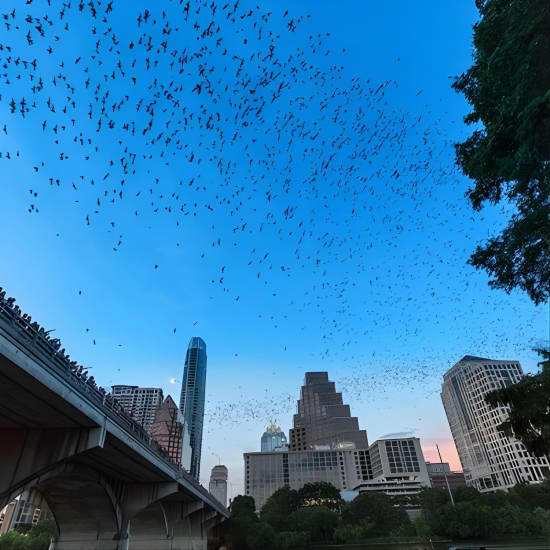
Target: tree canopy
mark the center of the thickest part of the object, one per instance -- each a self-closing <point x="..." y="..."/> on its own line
<point x="508" y="154"/>
<point x="522" y="511"/>
<point x="376" y="508"/>
<point x="279" y="506"/>
<point x="529" y="401"/>
<point x="38" y="537"/>
<point x="319" y="522"/>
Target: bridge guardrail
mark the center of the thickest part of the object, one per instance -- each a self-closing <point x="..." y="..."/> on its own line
<point x="29" y="333"/>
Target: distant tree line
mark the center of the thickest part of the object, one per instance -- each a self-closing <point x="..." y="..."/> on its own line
<point x="316" y="514"/>
<point x="29" y="537"/>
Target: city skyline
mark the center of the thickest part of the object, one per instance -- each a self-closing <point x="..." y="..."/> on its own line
<point x="320" y="409"/>
<point x="387" y="324"/>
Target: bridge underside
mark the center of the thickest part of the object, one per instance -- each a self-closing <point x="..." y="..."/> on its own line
<point x="104" y="491"/>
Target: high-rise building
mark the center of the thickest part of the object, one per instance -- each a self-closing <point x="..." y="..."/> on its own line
<point x="490" y="460"/>
<point x="326" y="444"/>
<point x="169" y="431"/>
<point x="140" y="403"/>
<point x="264" y="473"/>
<point x="273" y="439"/>
<point x="218" y="483"/>
<point x="192" y="398"/>
<point x="322" y="420"/>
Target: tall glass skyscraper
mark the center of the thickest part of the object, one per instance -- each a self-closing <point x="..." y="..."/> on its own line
<point x="192" y="399"/>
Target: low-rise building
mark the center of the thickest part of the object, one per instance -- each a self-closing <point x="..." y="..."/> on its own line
<point x="438" y="471"/>
<point x="267" y="472"/>
<point x="398" y="467"/>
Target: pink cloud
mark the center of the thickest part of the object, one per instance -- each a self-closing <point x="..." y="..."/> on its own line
<point x="447" y="448"/>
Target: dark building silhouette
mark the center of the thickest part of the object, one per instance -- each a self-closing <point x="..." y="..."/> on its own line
<point x="322" y="420"/>
<point x="192" y="399"/>
<point x="439" y="471"/>
<point x="169" y="432"/>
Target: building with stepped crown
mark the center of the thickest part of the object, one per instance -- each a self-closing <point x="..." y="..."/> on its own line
<point x="218" y="483"/>
<point x="169" y="431"/>
<point x="193" y="390"/>
<point x="490" y="460"/>
<point x="326" y="444"/>
<point x="322" y="419"/>
<point x="273" y="439"/>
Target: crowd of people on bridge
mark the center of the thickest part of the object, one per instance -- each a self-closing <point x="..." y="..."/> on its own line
<point x="13" y="312"/>
<point x="34" y="329"/>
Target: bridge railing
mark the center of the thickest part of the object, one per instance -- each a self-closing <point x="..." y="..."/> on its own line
<point x="37" y="340"/>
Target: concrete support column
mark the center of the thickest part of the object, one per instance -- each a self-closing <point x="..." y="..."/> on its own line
<point x="84" y="506"/>
<point x="144" y="522"/>
<point x="28" y="453"/>
<point x="187" y="528"/>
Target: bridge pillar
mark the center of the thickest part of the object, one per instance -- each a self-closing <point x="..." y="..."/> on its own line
<point x="144" y="524"/>
<point x="168" y="525"/>
<point x="187" y="526"/>
<point x="84" y="506"/>
<point x="28" y="453"/>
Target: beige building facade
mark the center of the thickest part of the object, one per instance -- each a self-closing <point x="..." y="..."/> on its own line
<point x="491" y="461"/>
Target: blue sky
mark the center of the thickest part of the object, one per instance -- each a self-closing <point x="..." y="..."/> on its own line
<point x="377" y="292"/>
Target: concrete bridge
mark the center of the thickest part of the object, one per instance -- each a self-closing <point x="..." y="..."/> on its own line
<point x="65" y="441"/>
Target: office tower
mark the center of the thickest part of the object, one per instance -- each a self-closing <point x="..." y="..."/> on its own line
<point x="273" y="439"/>
<point x="218" y="483"/>
<point x="322" y="420"/>
<point x="326" y="444"/>
<point x="192" y="399"/>
<point x="398" y="467"/>
<point x="438" y="471"/>
<point x="21" y="513"/>
<point x="140" y="403"/>
<point x="490" y="460"/>
<point x="264" y="473"/>
<point x="169" y="432"/>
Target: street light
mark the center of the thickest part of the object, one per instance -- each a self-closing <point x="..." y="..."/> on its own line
<point x="219" y="459"/>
